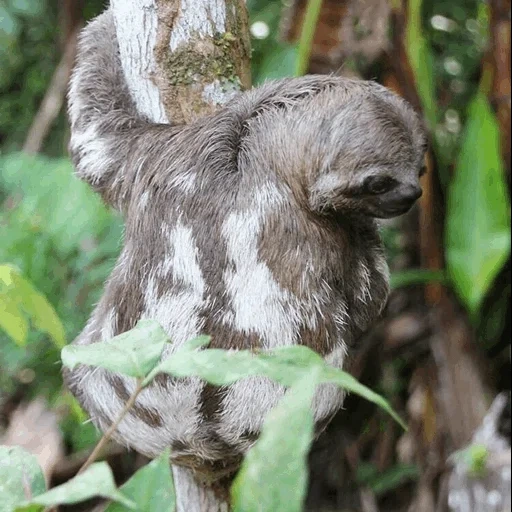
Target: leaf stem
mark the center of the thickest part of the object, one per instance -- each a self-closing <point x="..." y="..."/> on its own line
<point x="108" y="434"/>
<point x="307" y="35"/>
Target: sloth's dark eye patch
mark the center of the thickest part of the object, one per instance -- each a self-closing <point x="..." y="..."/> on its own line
<point x="423" y="170"/>
<point x="379" y="184"/>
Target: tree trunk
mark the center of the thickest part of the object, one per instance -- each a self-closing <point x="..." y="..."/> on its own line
<point x="183" y="59"/>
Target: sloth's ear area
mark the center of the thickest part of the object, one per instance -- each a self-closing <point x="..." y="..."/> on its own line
<point x="326" y="193"/>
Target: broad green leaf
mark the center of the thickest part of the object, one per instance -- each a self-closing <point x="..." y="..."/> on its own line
<point x="20" y="477"/>
<point x="478" y="210"/>
<point x="97" y="480"/>
<point x="280" y="63"/>
<point x="421" y="60"/>
<point x="134" y="353"/>
<point x="224" y="367"/>
<point x="151" y="488"/>
<point x="274" y="472"/>
<point x="20" y="301"/>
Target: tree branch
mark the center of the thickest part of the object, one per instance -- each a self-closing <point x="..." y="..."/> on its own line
<point x="182" y="59"/>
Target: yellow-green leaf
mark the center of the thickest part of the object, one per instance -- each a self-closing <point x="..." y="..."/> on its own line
<point x="21" y="302"/>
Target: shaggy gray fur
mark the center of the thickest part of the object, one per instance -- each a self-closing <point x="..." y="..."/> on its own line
<point x="254" y="225"/>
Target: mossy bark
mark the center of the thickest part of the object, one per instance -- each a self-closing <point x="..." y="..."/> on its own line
<point x="197" y="74"/>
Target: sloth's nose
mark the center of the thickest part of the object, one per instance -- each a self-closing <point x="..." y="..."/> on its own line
<point x="411" y="194"/>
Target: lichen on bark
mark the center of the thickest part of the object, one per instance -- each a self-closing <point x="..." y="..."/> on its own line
<point x="206" y="69"/>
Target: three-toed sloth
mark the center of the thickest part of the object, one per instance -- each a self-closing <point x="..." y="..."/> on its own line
<point x="254" y="225"/>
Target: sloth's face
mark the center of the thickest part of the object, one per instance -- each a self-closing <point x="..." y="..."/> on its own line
<point x="384" y="193"/>
<point x="375" y="158"/>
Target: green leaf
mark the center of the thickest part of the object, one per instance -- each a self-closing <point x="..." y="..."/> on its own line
<point x="134" y="353"/>
<point x="421" y="60"/>
<point x="478" y="210"/>
<point x="349" y="383"/>
<point x="307" y="35"/>
<point x="387" y="481"/>
<point x="415" y="277"/>
<point x="280" y="63"/>
<point x="19" y="300"/>
<point x="74" y="215"/>
<point x="151" y="488"/>
<point x="97" y="480"/>
<point x="224" y="367"/>
<point x="273" y="475"/>
<point x="284" y="365"/>
<point x="20" y="477"/>
<point x="475" y="458"/>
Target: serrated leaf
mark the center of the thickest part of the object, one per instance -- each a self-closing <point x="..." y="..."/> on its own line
<point x="19" y="300"/>
<point x="20" y="475"/>
<point x="274" y="473"/>
<point x="97" y="480"/>
<point x="478" y="211"/>
<point x="134" y="353"/>
<point x="151" y="488"/>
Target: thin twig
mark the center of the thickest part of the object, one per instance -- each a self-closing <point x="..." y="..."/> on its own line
<point x="108" y="434"/>
<point x="53" y="99"/>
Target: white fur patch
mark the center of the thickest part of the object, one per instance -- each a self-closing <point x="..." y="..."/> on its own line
<point x="245" y="406"/>
<point x="178" y="312"/>
<point x="363" y="272"/>
<point x="185" y="181"/>
<point x="94" y="151"/>
<point x="260" y="305"/>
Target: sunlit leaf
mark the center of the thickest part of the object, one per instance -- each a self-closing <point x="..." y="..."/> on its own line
<point x="20" y="477"/>
<point x="134" y="353"/>
<point x="151" y="488"/>
<point x="273" y="475"/>
<point x="478" y="211"/>
<point x="97" y="480"/>
<point x="21" y="302"/>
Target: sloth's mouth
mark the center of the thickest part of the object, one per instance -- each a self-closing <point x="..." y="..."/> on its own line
<point x="389" y="211"/>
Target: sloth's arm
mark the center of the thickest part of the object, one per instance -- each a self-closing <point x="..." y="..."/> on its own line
<point x="106" y="128"/>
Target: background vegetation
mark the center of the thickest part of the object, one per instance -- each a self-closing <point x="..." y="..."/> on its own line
<point x="442" y="350"/>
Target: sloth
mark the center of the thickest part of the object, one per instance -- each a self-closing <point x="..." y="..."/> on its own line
<point x="256" y="225"/>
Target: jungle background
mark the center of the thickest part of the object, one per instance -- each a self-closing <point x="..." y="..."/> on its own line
<point x="441" y="352"/>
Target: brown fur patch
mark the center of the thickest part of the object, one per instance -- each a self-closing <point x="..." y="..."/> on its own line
<point x="148" y="415"/>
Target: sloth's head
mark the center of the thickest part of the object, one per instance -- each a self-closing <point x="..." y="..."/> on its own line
<point x="351" y="147"/>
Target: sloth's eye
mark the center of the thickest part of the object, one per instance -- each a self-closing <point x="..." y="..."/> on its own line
<point x="379" y="184"/>
<point x="423" y="170"/>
